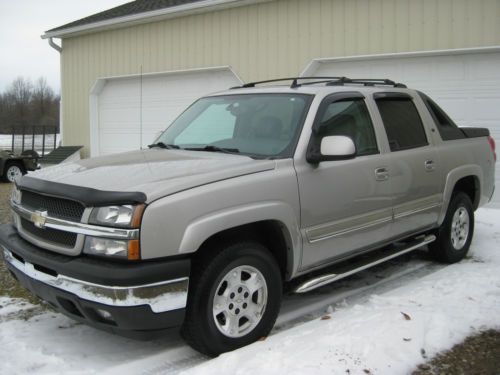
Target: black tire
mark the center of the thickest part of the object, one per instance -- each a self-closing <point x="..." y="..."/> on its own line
<point x="451" y="247"/>
<point x="201" y="329"/>
<point x="7" y="170"/>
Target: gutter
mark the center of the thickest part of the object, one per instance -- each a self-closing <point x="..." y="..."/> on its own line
<point x="151" y="16"/>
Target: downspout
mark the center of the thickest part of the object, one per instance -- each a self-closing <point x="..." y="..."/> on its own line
<point x="55" y="46"/>
<point x="58" y="49"/>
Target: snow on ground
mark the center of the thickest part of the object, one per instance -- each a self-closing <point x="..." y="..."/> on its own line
<point x="385" y="321"/>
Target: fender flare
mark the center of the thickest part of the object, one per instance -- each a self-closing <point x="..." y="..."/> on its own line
<point x="456" y="174"/>
<point x="204" y="227"/>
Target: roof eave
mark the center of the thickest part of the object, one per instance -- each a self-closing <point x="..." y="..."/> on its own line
<point x="155" y="15"/>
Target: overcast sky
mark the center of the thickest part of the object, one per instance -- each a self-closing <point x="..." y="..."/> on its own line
<point x="22" y="51"/>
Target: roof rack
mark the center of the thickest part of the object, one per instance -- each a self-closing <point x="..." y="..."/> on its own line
<point x="329" y="81"/>
<point x="293" y="79"/>
<point x="366" y="82"/>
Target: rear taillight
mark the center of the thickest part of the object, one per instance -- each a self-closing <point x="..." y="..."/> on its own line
<point x="491" y="141"/>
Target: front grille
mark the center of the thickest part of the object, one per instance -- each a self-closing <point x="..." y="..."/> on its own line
<point x="56" y="207"/>
<point x="54" y="236"/>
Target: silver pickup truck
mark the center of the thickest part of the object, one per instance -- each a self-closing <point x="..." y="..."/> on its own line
<point x="249" y="190"/>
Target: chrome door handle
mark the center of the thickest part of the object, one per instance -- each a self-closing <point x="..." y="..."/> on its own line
<point x="429" y="165"/>
<point x="381" y="174"/>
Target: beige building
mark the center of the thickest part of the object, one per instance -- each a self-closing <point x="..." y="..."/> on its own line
<point x="127" y="72"/>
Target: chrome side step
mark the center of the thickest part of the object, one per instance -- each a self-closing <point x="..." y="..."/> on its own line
<point x="330" y="278"/>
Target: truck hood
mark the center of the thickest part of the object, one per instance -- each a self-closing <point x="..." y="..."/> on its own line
<point x="155" y="172"/>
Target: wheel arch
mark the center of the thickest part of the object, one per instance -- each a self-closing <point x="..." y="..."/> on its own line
<point x="273" y="223"/>
<point x="467" y="178"/>
<point x="273" y="234"/>
<point x="3" y="163"/>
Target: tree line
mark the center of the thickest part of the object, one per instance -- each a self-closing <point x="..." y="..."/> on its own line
<point x="28" y="105"/>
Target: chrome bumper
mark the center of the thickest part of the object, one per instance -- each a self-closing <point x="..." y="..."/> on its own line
<point x="161" y="297"/>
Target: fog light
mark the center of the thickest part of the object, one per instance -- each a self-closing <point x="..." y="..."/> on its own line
<point x="103" y="314"/>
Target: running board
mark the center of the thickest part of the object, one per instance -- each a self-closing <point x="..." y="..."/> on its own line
<point x="347" y="271"/>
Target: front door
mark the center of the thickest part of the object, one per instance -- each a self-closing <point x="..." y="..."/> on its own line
<point x="346" y="205"/>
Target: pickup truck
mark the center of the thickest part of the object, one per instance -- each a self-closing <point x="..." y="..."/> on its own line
<point x="251" y="191"/>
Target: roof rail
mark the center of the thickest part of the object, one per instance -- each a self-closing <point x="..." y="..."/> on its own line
<point x="329" y="81"/>
<point x="367" y="82"/>
<point x="293" y="79"/>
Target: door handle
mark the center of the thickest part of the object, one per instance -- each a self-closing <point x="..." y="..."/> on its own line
<point x="381" y="174"/>
<point x="429" y="165"/>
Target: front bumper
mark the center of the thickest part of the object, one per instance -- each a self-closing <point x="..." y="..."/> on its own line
<point x="130" y="299"/>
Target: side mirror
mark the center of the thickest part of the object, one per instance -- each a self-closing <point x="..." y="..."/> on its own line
<point x="334" y="147"/>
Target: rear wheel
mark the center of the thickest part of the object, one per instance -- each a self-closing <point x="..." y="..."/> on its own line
<point x="455" y="234"/>
<point x="234" y="298"/>
<point x="13" y="172"/>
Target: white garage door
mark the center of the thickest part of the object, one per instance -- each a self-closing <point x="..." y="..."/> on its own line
<point x="133" y="111"/>
<point x="466" y="86"/>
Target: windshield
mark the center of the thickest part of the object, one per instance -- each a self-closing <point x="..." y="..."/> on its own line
<point x="258" y="125"/>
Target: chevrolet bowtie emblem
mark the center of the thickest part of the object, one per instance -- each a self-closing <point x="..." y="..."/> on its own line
<point x="38" y="218"/>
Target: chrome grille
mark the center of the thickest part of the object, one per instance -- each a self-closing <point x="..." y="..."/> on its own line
<point x="56" y="207"/>
<point x="54" y="236"/>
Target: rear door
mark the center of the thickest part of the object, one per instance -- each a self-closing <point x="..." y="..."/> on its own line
<point x="414" y="170"/>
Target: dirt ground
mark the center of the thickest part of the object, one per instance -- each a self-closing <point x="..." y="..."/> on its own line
<point x="9" y="286"/>
<point x="477" y="355"/>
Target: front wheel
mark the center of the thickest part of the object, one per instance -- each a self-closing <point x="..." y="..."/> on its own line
<point x="234" y="298"/>
<point x="13" y="172"/>
<point x="455" y="234"/>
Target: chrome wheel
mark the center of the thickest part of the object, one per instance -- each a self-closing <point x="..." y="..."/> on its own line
<point x="459" y="228"/>
<point x="13" y="173"/>
<point x="240" y="301"/>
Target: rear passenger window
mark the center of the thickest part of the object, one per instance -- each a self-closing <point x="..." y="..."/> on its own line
<point x="446" y="127"/>
<point x="351" y="119"/>
<point x="402" y="123"/>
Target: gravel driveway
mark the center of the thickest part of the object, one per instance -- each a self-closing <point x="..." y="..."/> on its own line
<point x="8" y="286"/>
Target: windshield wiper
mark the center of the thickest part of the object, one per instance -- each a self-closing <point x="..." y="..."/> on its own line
<point x="163" y="145"/>
<point x="212" y="148"/>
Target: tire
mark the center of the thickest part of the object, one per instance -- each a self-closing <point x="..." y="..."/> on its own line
<point x="13" y="172"/>
<point x="455" y="234"/>
<point x="224" y="294"/>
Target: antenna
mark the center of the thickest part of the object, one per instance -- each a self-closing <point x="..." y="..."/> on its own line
<point x="140" y="110"/>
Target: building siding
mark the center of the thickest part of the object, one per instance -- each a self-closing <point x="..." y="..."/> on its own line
<point x="265" y="40"/>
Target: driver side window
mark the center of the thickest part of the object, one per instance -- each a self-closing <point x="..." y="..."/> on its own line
<point x="350" y="118"/>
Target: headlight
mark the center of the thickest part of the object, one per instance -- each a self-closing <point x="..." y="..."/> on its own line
<point x="126" y="249"/>
<point x="15" y="195"/>
<point x="117" y="216"/>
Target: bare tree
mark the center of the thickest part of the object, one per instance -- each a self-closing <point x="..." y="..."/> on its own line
<point x="19" y="94"/>
<point x="43" y="103"/>
<point x="24" y="107"/>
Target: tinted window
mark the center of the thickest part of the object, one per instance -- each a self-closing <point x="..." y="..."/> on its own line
<point x="402" y="123"/>
<point x="350" y="118"/>
<point x="446" y="127"/>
